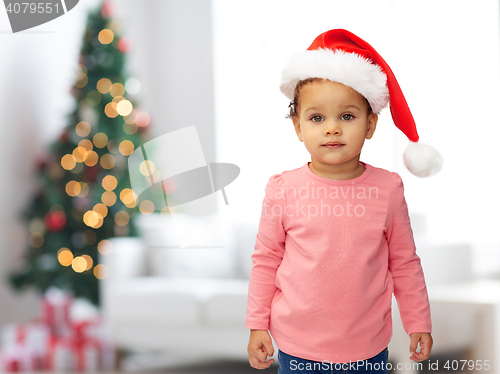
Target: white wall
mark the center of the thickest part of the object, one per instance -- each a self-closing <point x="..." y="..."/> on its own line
<point x="445" y="55"/>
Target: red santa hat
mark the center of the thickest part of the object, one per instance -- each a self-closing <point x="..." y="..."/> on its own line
<point x="341" y="56"/>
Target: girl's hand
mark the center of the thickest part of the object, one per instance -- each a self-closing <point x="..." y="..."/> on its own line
<point x="425" y="340"/>
<point x="259" y="347"/>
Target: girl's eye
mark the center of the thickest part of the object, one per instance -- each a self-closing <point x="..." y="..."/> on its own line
<point x="347" y="117"/>
<point x="316" y="118"/>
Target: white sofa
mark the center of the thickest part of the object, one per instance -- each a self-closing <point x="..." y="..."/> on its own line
<point x="191" y="302"/>
<point x="188" y="302"/>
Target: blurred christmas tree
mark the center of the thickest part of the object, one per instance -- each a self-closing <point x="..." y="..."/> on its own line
<point x="84" y="194"/>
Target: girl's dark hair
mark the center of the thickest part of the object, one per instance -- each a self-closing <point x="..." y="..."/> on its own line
<point x="292" y="107"/>
<point x="294" y="104"/>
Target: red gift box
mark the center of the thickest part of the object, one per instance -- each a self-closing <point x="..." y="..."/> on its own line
<point x="60" y="355"/>
<point x="71" y="336"/>
<point x="23" y="348"/>
<point x="56" y="306"/>
<point x="83" y="350"/>
<point x="18" y="358"/>
<point x="87" y="348"/>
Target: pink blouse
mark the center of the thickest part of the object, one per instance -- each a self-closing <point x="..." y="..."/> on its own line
<point x="328" y="256"/>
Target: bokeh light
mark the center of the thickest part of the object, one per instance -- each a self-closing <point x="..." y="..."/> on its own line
<point x="109" y="182"/>
<point x="126" y="147"/>
<point x="91" y="158"/>
<point x="142" y="119"/>
<point x="64" y="256"/>
<point x="128" y="197"/>
<point x="122" y="218"/>
<point x="85" y="143"/>
<point x="110" y="110"/>
<point x="117" y="89"/>
<point x="84" y="189"/>
<point x="106" y="36"/>
<point x="105" y="247"/>
<point x="73" y="188"/>
<point x="100" y="140"/>
<point x="92" y="219"/>
<point x="89" y="261"/>
<point x="80" y="153"/>
<point x="133" y="86"/>
<point x="36" y="239"/>
<point x="83" y="129"/>
<point x="101" y="209"/>
<point x="81" y="80"/>
<point x="100" y="271"/>
<point x="129" y="128"/>
<point x="68" y="162"/>
<point x="108" y="161"/>
<point x="147" y="168"/>
<point x="108" y="198"/>
<point x="124" y="108"/>
<point x="147" y="207"/>
<point x="103" y="85"/>
<point x="79" y="264"/>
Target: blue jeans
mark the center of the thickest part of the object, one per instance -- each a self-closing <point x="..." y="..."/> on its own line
<point x="295" y="365"/>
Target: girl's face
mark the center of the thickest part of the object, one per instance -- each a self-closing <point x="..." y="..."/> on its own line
<point x="333" y="121"/>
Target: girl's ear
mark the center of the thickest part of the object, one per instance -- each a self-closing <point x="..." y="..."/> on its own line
<point x="372" y="125"/>
<point x="296" y="125"/>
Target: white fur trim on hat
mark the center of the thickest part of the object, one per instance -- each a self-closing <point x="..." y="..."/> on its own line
<point x="422" y="160"/>
<point x="347" y="68"/>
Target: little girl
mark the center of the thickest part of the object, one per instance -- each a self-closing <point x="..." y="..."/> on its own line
<point x="334" y="240"/>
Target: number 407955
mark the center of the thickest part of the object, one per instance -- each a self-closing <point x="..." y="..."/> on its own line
<point x="468" y="364"/>
<point x="33" y="7"/>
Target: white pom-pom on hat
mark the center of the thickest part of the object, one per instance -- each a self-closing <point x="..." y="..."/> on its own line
<point x="422" y="160"/>
<point x="339" y="55"/>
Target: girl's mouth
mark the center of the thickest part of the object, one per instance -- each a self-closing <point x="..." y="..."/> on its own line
<point x="333" y="145"/>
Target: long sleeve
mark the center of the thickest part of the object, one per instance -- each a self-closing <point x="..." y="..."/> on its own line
<point x="267" y="256"/>
<point x="404" y="264"/>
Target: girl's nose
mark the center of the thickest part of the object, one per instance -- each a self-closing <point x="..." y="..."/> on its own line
<point x="333" y="129"/>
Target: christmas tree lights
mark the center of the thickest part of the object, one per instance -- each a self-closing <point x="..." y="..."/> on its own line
<point x="84" y="195"/>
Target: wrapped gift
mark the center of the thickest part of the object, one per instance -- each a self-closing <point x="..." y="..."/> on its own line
<point x="56" y="305"/>
<point x="98" y="331"/>
<point x="88" y="356"/>
<point x="60" y="354"/>
<point x="87" y="348"/>
<point x="18" y="358"/>
<point x="74" y="352"/>
<point x="88" y="326"/>
<point x="71" y="336"/>
<point x="24" y="346"/>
